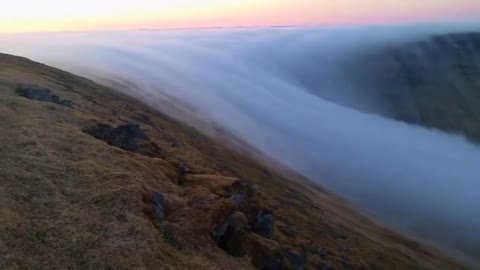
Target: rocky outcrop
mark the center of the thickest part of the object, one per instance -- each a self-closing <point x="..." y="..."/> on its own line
<point x="129" y="137"/>
<point x="296" y="261"/>
<point x="155" y="207"/>
<point x="158" y="201"/>
<point x="231" y="235"/>
<point x="263" y="224"/>
<point x="41" y="94"/>
<point x="250" y="229"/>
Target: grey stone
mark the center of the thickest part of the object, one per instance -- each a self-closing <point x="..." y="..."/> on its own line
<point x="296" y="261"/>
<point x="41" y="94"/>
<point x="129" y="137"/>
<point x="263" y="224"/>
<point x="158" y="201"/>
<point x="271" y="263"/>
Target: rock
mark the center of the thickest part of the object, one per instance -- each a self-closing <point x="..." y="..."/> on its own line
<point x="124" y="137"/>
<point x="325" y="266"/>
<point x="295" y="261"/>
<point x="158" y="201"/>
<point x="264" y="252"/>
<point x="182" y="171"/>
<point x="129" y="137"/>
<point x="322" y="253"/>
<point x="219" y="232"/>
<point x="241" y="186"/>
<point x="271" y="263"/>
<point x="42" y="94"/>
<point x="67" y="103"/>
<point x="239" y="191"/>
<point x="238" y="221"/>
<point x="347" y="263"/>
<point x="263" y="224"/>
<point x="167" y="234"/>
<point x="287" y="231"/>
<point x="239" y="200"/>
<point x="231" y="235"/>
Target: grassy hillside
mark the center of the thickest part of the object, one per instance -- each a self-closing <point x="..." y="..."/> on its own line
<point x="91" y="179"/>
<point x="433" y="82"/>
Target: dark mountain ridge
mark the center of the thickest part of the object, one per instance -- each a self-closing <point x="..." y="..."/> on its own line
<point x="434" y="82"/>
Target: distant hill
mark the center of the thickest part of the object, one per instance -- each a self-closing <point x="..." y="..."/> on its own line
<point x="433" y="82"/>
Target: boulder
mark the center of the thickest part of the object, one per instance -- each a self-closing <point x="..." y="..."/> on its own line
<point x="238" y="221"/>
<point x="271" y="263"/>
<point x="264" y="253"/>
<point x="239" y="191"/>
<point x="241" y="186"/>
<point x="231" y="235"/>
<point x="41" y="94"/>
<point x="239" y="200"/>
<point x="295" y="260"/>
<point x="129" y="137"/>
<point x="124" y="136"/>
<point x="182" y="171"/>
<point x="158" y="201"/>
<point x="263" y="224"/>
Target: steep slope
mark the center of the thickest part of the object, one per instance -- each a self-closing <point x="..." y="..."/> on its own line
<point x="433" y="82"/>
<point x="430" y="80"/>
<point x="441" y="83"/>
<point x="92" y="179"/>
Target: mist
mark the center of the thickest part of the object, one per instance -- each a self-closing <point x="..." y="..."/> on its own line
<point x="288" y="93"/>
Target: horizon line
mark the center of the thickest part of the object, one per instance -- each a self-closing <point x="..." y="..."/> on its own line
<point x="249" y="27"/>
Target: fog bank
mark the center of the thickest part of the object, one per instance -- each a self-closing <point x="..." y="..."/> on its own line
<point x="258" y="85"/>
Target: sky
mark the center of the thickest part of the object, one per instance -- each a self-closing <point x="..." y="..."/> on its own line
<point x="61" y="15"/>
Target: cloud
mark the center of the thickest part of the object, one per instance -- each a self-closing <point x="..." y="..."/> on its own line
<point x="257" y="84"/>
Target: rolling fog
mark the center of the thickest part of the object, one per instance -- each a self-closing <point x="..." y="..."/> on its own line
<point x="257" y="84"/>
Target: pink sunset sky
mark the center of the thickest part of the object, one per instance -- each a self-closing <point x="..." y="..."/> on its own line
<point x="61" y="15"/>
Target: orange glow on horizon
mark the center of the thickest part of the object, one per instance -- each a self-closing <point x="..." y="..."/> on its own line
<point x="57" y="15"/>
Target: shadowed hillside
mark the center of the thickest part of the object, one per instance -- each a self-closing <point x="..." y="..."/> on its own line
<point x="91" y="179"/>
<point x="441" y="75"/>
<point x="433" y="82"/>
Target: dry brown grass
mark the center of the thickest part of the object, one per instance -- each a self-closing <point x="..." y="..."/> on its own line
<point x="70" y="201"/>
